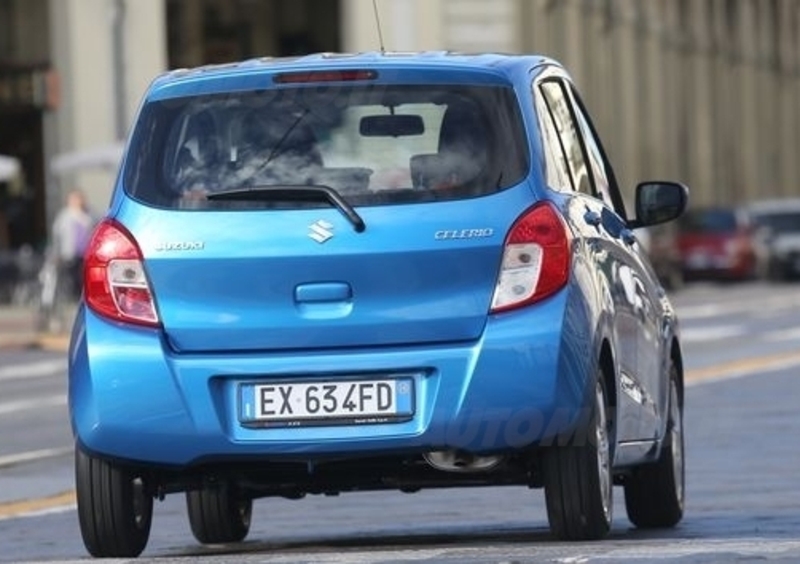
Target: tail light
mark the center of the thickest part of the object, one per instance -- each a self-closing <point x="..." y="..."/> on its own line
<point x="114" y="281"/>
<point x="535" y="259"/>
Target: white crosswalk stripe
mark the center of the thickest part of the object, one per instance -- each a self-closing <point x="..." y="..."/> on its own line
<point x="39" y="369"/>
<point x="33" y="403"/>
<point x="704" y="334"/>
<point x="33" y="455"/>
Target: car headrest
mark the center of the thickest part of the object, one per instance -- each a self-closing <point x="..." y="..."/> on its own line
<point x="424" y="170"/>
<point x="462" y="132"/>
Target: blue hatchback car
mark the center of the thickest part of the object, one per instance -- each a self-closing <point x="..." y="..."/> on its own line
<point x="375" y="271"/>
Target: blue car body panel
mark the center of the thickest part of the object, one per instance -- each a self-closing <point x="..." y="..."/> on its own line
<point x="252" y="287"/>
<point x="486" y="395"/>
<point x="253" y="303"/>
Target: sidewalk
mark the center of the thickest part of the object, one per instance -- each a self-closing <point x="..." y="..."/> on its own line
<point x="18" y="330"/>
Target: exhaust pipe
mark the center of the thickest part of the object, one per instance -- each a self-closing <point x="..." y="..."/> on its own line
<point x="459" y="461"/>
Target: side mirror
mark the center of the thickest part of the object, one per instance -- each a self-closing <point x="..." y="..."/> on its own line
<point x="659" y="202"/>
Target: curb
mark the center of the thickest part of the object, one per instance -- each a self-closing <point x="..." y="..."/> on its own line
<point x="56" y="343"/>
<point x="45" y="341"/>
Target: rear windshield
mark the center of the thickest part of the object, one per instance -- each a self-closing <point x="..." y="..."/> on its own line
<point x="709" y="221"/>
<point x="374" y="144"/>
<point x="779" y="222"/>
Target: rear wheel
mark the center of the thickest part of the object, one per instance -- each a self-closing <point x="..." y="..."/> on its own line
<point x="577" y="478"/>
<point x="114" y="509"/>
<point x="218" y="515"/>
<point x="654" y="493"/>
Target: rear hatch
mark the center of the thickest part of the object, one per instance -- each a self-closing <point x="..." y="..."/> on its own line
<point x="343" y="215"/>
<point x="259" y="280"/>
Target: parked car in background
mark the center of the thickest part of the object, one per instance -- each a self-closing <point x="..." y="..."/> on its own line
<point x="364" y="272"/>
<point x="777" y="234"/>
<point x="716" y="243"/>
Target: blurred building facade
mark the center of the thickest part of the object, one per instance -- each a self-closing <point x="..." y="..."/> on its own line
<point x="703" y="91"/>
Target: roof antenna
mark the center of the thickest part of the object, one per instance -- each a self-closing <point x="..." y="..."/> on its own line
<point x="378" y="23"/>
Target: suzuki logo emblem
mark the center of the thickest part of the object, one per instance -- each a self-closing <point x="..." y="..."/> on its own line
<point x="320" y="231"/>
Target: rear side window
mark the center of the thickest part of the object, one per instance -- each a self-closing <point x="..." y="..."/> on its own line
<point x="374" y="144"/>
<point x="779" y="222"/>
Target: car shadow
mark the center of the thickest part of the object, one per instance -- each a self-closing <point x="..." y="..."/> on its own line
<point x="710" y="527"/>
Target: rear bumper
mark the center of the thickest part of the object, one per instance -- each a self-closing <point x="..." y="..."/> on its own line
<point x="738" y="270"/>
<point x="722" y="267"/>
<point x="524" y="381"/>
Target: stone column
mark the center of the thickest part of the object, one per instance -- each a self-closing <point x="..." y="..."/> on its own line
<point x="701" y="138"/>
<point x="626" y="95"/>
<point x="82" y="53"/>
<point x="789" y="138"/>
<point x="265" y="35"/>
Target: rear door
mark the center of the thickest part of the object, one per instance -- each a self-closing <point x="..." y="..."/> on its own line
<point x="306" y="279"/>
<point x="597" y="213"/>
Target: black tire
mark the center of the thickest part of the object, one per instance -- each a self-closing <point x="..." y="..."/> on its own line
<point x="578" y="482"/>
<point x="218" y="515"/>
<point x="114" y="510"/>
<point x="655" y="492"/>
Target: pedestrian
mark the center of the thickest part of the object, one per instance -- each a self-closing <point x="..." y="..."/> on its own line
<point x="71" y="231"/>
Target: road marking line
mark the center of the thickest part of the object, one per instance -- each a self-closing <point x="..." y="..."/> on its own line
<point x="55" y="343"/>
<point x="703" y="311"/>
<point x="33" y="456"/>
<point x="39" y="369"/>
<point x="716" y="333"/>
<point x="24" y="405"/>
<point x="30" y="507"/>
<point x="742" y="368"/>
<point x="790" y="334"/>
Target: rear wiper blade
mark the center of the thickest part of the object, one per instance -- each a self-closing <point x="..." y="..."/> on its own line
<point x="294" y="193"/>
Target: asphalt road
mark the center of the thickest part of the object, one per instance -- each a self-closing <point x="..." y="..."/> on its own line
<point x="742" y="345"/>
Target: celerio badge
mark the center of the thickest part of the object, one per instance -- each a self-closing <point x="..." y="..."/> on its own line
<point x="463" y="233"/>
<point x="320" y="231"/>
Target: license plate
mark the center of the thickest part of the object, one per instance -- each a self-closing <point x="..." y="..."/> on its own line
<point x="332" y="402"/>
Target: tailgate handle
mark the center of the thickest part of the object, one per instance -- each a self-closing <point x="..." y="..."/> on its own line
<point x="320" y="292"/>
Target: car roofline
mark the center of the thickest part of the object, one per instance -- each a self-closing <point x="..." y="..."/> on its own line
<point x="503" y="64"/>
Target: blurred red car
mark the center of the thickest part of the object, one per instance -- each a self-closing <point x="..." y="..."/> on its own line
<point x="717" y="244"/>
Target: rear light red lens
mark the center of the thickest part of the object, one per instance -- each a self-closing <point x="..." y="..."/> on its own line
<point x="114" y="280"/>
<point x="325" y="76"/>
<point x="535" y="259"/>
